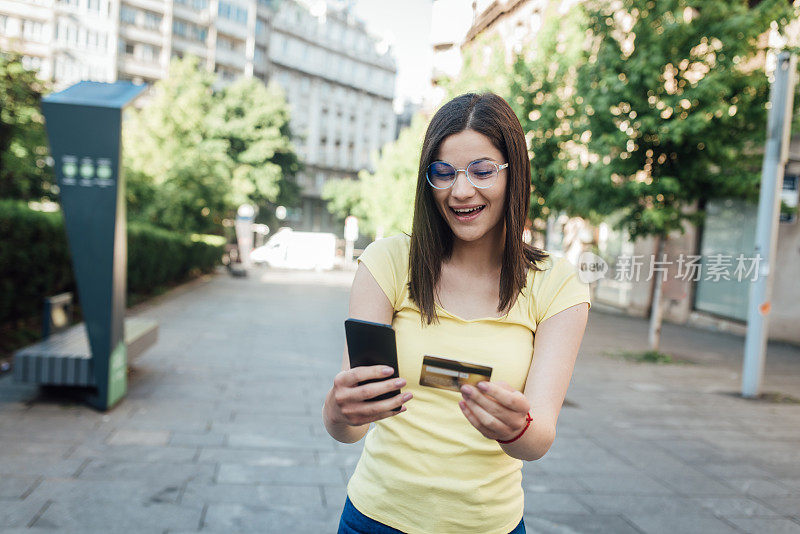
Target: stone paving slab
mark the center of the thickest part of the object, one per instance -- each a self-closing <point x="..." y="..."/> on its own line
<point x="221" y="431"/>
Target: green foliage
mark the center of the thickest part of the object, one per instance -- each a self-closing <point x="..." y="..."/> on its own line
<point x="383" y="199"/>
<point x="543" y="83"/>
<point x="254" y="121"/>
<point x="483" y="68"/>
<point x="148" y="246"/>
<point x="24" y="173"/>
<point x="35" y="261"/>
<point x="673" y="98"/>
<point x="193" y="155"/>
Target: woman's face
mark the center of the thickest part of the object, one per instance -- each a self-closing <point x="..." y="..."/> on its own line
<point x="460" y="150"/>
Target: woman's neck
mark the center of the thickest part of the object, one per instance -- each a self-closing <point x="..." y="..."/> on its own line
<point x="484" y="255"/>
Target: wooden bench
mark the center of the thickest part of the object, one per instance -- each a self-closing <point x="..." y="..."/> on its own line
<point x="65" y="359"/>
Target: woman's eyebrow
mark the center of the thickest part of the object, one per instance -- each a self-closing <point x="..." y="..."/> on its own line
<point x="481" y="158"/>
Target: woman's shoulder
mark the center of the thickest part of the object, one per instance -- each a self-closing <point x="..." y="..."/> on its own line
<point x="396" y="246"/>
<point x="555" y="286"/>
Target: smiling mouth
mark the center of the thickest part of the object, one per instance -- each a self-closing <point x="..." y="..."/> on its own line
<point x="469" y="213"/>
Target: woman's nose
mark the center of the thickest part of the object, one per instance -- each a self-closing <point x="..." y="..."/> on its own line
<point x="462" y="188"/>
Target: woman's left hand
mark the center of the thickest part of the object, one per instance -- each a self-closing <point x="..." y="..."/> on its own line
<point x="496" y="409"/>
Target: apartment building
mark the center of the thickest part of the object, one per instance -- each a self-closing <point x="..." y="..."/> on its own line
<point x="340" y="87"/>
<point x="338" y="78"/>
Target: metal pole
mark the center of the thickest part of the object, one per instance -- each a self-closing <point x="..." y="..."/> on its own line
<point x="776" y="152"/>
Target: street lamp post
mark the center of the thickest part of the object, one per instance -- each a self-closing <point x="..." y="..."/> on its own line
<point x="776" y="152"/>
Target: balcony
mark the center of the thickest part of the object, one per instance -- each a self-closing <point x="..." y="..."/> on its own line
<point x="200" y="18"/>
<point x="134" y="66"/>
<point x="185" y="46"/>
<point x="139" y="34"/>
<point x="150" y="5"/>
<point x="231" y="58"/>
<point x="234" y="29"/>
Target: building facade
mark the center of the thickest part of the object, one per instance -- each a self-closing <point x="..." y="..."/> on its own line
<point x="340" y="87"/>
<point x="338" y="79"/>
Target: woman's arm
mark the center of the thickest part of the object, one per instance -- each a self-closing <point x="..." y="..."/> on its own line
<point x="498" y="411"/>
<point x="555" y="350"/>
<point x="367" y="302"/>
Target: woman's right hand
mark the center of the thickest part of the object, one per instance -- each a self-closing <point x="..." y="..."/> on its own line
<point x="350" y="404"/>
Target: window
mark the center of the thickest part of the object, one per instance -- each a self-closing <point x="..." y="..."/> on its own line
<point x="224" y="43"/>
<point x="129" y="49"/>
<point x="147" y="52"/>
<point x="199" y="5"/>
<point x="232" y="12"/>
<point x="261" y="26"/>
<point x="187" y="30"/>
<point x="152" y="20"/>
<point x="127" y="14"/>
<point x="31" y="62"/>
<point x="33" y="31"/>
<point x="259" y="57"/>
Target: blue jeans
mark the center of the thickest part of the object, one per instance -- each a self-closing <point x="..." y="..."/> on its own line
<point x="354" y="522"/>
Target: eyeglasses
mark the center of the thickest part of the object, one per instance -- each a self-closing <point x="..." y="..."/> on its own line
<point x="481" y="173"/>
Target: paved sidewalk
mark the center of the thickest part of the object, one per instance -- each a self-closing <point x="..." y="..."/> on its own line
<point x="221" y="430"/>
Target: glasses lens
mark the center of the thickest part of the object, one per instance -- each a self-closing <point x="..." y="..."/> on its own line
<point x="441" y="174"/>
<point x="482" y="173"/>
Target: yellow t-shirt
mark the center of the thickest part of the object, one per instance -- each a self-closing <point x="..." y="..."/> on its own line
<point x="428" y="470"/>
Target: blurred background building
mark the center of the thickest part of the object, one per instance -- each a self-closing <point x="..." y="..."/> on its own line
<point x="338" y="78"/>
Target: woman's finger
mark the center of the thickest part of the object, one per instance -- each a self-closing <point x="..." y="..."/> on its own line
<point x="491" y="426"/>
<point x="505" y="395"/>
<point x="506" y="415"/>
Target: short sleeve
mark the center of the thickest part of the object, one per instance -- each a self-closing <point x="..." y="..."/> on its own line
<point x="560" y="289"/>
<point x="387" y="261"/>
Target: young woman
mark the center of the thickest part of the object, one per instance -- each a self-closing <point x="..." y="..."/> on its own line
<point x="463" y="286"/>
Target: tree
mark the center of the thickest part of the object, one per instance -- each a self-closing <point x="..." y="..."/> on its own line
<point x="193" y="155"/>
<point x="543" y="97"/>
<point x="483" y="68"/>
<point x="254" y="121"/>
<point x="24" y="173"/>
<point x="673" y="102"/>
<point x="384" y="200"/>
<point x="178" y="174"/>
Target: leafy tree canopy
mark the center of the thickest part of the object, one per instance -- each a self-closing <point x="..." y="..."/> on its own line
<point x="192" y="154"/>
<point x="670" y="99"/>
<point x="24" y="173"/>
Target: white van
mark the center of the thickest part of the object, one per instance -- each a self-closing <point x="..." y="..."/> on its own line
<point x="288" y="249"/>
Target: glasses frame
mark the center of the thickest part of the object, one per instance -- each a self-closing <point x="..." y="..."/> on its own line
<point x="498" y="166"/>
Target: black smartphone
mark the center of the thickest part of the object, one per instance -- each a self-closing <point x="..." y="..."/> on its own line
<point x="371" y="343"/>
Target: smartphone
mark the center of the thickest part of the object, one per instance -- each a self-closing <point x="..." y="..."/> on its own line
<point x="371" y="343"/>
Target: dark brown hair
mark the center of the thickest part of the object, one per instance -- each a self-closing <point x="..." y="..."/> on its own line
<point x="431" y="236"/>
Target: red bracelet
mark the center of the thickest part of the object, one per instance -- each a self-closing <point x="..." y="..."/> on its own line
<point x="528" y="420"/>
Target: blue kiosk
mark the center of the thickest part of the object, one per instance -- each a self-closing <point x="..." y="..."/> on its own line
<point x="84" y="129"/>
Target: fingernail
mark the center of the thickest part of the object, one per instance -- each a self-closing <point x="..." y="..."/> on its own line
<point x="387" y="370"/>
<point x="399" y="382"/>
<point x="407" y="396"/>
<point x="466" y="391"/>
<point x="482" y="386"/>
<point x="462" y="404"/>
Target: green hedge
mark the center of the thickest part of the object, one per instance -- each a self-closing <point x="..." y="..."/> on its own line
<point x="35" y="261"/>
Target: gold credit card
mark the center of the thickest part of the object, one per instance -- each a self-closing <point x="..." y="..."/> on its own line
<point x="443" y="373"/>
